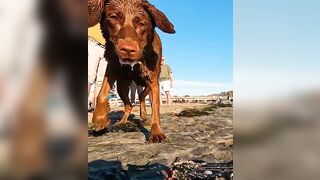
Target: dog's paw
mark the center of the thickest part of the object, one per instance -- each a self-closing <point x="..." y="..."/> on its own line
<point x="156" y="135"/>
<point x="100" y="123"/>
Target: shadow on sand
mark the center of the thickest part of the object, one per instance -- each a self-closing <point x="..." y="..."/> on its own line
<point x="101" y="169"/>
<point x="134" y="125"/>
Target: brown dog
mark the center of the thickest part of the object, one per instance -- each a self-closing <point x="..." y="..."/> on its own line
<point x="133" y="52"/>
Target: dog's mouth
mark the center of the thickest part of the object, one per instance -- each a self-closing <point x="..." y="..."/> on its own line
<point x="128" y="61"/>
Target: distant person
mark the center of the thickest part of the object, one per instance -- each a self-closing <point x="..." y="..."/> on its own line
<point x="166" y="80"/>
<point x="113" y="95"/>
<point x="97" y="65"/>
<point x="134" y="88"/>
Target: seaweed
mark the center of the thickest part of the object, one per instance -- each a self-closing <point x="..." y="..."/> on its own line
<point x="192" y="113"/>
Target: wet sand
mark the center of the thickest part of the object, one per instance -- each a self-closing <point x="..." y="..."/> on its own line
<point x="207" y="137"/>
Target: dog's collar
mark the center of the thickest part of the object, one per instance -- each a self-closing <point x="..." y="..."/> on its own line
<point x="122" y="62"/>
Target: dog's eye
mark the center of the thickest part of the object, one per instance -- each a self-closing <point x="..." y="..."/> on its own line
<point x="113" y="17"/>
<point x="142" y="24"/>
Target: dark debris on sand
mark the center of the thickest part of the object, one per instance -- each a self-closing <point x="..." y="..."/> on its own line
<point x="186" y="170"/>
<point x="180" y="170"/>
<point x="202" y="112"/>
<point x="192" y="113"/>
<point x="197" y="112"/>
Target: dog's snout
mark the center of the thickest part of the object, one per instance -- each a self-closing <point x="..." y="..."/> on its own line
<point x="128" y="49"/>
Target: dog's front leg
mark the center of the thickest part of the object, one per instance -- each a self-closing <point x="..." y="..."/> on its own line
<point x="123" y="91"/>
<point x="142" y="99"/>
<point x="100" y="118"/>
<point x="156" y="133"/>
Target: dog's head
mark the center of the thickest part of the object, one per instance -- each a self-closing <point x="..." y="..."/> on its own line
<point x="128" y="24"/>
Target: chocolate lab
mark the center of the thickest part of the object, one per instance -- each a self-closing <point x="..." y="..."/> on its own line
<point x="133" y="52"/>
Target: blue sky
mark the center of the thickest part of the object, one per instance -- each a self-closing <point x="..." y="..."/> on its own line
<point x="200" y="53"/>
<point x="276" y="54"/>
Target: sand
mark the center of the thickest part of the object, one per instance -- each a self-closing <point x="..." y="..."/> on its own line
<point x="127" y="153"/>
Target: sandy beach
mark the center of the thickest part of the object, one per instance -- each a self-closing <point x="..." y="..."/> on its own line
<point x="207" y="137"/>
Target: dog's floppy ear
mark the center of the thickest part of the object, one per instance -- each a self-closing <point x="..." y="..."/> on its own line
<point x="160" y="19"/>
<point x="95" y="8"/>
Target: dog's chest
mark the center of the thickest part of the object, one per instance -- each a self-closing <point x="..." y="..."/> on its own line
<point x="138" y="73"/>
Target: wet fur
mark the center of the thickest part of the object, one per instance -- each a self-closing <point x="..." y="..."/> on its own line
<point x="146" y="72"/>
